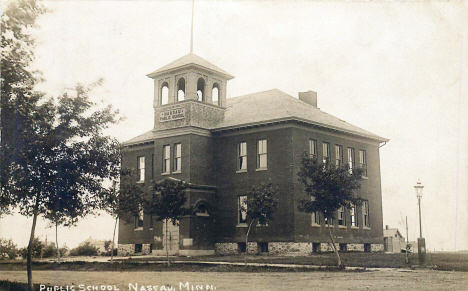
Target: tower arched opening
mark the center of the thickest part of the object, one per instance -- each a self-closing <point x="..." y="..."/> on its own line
<point x="201" y="89"/>
<point x="164" y="93"/>
<point x="181" y="89"/>
<point x="215" y="94"/>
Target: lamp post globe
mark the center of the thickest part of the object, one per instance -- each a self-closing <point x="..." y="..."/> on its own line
<point x="421" y="241"/>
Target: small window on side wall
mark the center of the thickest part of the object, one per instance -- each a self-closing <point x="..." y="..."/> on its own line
<point x="178" y="157"/>
<point x="326" y="154"/>
<point x="242" y="156"/>
<point x="365" y="214"/>
<point x="141" y="168"/>
<point x="262" y="154"/>
<point x="166" y="159"/>
<point x="363" y="162"/>
<point x="312" y="148"/>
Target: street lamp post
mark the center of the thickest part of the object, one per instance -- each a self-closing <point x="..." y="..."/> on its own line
<point x="421" y="241"/>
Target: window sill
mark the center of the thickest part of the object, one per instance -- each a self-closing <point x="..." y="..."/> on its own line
<point x="354" y="227"/>
<point x="331" y="226"/>
<point x="315" y="225"/>
<point x="366" y="228"/>
<point x="165" y="174"/>
<point x="241" y="225"/>
<point x="177" y="172"/>
<point x="138" y="229"/>
<point x="140" y="182"/>
<point x="261" y="169"/>
<point x="259" y="225"/>
<point x="241" y="171"/>
<point x="365" y="178"/>
<point x="342" y="226"/>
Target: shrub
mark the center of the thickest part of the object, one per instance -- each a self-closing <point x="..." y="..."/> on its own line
<point x="84" y="250"/>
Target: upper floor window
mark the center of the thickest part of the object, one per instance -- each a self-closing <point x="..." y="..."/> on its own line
<point x="338" y="156"/>
<point x="178" y="157"/>
<point x="326" y="153"/>
<point x="241" y="209"/>
<point x="353" y="215"/>
<point x="312" y="148"/>
<point x="181" y="89"/>
<point x="242" y="156"/>
<point x="165" y="93"/>
<point x="215" y="94"/>
<point x="201" y="89"/>
<point x="141" y="168"/>
<point x="166" y="159"/>
<point x="351" y="160"/>
<point x="262" y="154"/>
<point x="329" y="222"/>
<point x="341" y="216"/>
<point x="363" y="162"/>
<point x="365" y="213"/>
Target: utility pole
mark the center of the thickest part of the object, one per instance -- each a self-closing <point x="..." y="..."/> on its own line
<point x="406" y="246"/>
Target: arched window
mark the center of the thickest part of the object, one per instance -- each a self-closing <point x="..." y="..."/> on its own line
<point x="201" y="89"/>
<point x="215" y="93"/>
<point x="181" y="89"/>
<point x="202" y="210"/>
<point x="165" y="93"/>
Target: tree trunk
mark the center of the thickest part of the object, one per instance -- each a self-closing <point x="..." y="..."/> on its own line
<point x="113" y="239"/>
<point x="30" y="245"/>
<point x="167" y="247"/>
<point x="56" y="241"/>
<point x="247" y="242"/>
<point x="334" y="248"/>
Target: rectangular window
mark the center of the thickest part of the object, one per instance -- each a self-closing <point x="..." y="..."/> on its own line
<point x="329" y="222"/>
<point x="341" y="216"/>
<point x="262" y="154"/>
<point x="353" y="215"/>
<point x="351" y="160"/>
<point x="241" y="209"/>
<point x="151" y="222"/>
<point x="312" y="148"/>
<point x="338" y="156"/>
<point x="363" y="162"/>
<point x="326" y="153"/>
<point x="242" y="156"/>
<point x="141" y="168"/>
<point x="139" y="220"/>
<point x="178" y="157"/>
<point x="166" y="159"/>
<point x="365" y="213"/>
<point x="315" y="216"/>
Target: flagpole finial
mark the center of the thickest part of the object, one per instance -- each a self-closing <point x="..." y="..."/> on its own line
<point x="191" y="35"/>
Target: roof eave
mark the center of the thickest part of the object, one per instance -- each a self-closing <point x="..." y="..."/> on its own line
<point x="301" y="120"/>
<point x="158" y="73"/>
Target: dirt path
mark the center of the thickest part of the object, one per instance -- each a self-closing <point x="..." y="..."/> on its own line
<point x="377" y="280"/>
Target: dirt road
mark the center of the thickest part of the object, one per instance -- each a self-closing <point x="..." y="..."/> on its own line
<point x="396" y="279"/>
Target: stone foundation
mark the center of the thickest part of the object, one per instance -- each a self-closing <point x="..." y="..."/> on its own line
<point x="355" y="247"/>
<point x="289" y="248"/>
<point x="226" y="249"/>
<point x="145" y="249"/>
<point x="125" y="249"/>
<point x="279" y="248"/>
<point x="377" y="248"/>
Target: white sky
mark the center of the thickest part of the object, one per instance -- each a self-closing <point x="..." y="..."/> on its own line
<point x="395" y="69"/>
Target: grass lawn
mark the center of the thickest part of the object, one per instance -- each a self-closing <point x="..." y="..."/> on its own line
<point x="436" y="261"/>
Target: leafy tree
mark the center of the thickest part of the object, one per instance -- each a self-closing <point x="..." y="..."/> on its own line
<point x="53" y="153"/>
<point x="260" y="206"/>
<point x="124" y="201"/>
<point x="8" y="247"/>
<point x="18" y="99"/>
<point x="329" y="189"/>
<point x="166" y="203"/>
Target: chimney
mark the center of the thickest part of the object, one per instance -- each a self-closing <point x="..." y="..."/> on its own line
<point x="387" y="227"/>
<point x="309" y="97"/>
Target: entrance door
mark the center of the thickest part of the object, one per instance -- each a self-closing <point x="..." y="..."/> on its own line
<point x="172" y="242"/>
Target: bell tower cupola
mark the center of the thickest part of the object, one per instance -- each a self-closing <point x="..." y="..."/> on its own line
<point x="190" y="78"/>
